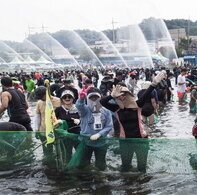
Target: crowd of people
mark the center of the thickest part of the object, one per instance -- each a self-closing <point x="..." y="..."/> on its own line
<point x="117" y="105"/>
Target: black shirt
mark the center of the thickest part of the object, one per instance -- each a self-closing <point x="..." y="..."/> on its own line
<point x="128" y="116"/>
<point x="17" y="106"/>
<point x="63" y="114"/>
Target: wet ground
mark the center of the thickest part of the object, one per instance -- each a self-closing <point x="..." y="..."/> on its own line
<point x="175" y="122"/>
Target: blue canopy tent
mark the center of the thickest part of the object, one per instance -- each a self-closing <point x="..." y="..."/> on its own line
<point x="190" y="59"/>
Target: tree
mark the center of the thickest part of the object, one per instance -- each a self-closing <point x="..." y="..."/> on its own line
<point x="184" y="43"/>
<point x="179" y="52"/>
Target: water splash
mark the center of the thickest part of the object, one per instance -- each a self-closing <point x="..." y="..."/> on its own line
<point x="6" y="48"/>
<point x="156" y="32"/>
<point x="2" y="60"/>
<point x="81" y="41"/>
<point x="136" y="51"/>
<point x="32" y="45"/>
<point x="56" y="49"/>
<point x="112" y="48"/>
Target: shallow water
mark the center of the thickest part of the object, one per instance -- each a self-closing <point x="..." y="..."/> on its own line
<point x="175" y="122"/>
<point x="39" y="180"/>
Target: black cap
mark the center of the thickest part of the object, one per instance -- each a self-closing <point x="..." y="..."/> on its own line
<point x="40" y="92"/>
<point x="94" y="90"/>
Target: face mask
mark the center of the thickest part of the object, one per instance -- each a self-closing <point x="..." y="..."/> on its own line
<point x="94" y="106"/>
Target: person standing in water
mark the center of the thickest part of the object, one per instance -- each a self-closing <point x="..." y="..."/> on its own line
<point x="68" y="112"/>
<point x="15" y="103"/>
<point x="30" y="86"/>
<point x="128" y="112"/>
<point x="96" y="122"/>
<point x="193" y="99"/>
<point x="40" y="125"/>
<point x="194" y="130"/>
<point x="181" y="88"/>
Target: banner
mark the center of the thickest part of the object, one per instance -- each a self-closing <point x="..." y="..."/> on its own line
<point x="50" y="119"/>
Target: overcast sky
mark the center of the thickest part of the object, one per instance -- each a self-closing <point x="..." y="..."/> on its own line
<point x="17" y="15"/>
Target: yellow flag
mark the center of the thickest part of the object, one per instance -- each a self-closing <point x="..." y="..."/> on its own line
<point x="50" y="119"/>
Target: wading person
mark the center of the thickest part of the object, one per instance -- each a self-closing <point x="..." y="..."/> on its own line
<point x="68" y="112"/>
<point x="15" y="103"/>
<point x="169" y="88"/>
<point x="30" y="86"/>
<point x="40" y="126"/>
<point x="150" y="105"/>
<point x="181" y="88"/>
<point x="96" y="122"/>
<point x="194" y="129"/>
<point x="193" y="99"/>
<point x="128" y="112"/>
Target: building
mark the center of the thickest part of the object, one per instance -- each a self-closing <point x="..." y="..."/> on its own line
<point x="108" y="47"/>
<point x="177" y="34"/>
<point x="193" y="38"/>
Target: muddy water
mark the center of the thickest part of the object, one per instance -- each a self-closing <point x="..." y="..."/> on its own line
<point x="175" y="122"/>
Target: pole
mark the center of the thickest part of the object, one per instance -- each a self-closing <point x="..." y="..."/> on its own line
<point x="178" y="38"/>
<point x="113" y="33"/>
<point x="188" y="32"/>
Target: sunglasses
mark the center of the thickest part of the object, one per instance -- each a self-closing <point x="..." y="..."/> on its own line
<point x="67" y="97"/>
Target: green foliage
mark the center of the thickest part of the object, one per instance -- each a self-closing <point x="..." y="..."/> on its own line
<point x="176" y="23"/>
<point x="184" y="43"/>
<point x="182" y="23"/>
<point x="179" y="52"/>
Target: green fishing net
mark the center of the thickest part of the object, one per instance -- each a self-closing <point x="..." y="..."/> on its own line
<point x="18" y="149"/>
<point x="15" y="149"/>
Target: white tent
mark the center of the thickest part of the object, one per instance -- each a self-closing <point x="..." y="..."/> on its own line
<point x="43" y="60"/>
<point x="16" y="60"/>
<point x="29" y="60"/>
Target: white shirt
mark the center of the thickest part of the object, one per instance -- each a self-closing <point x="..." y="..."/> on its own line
<point x="181" y="88"/>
